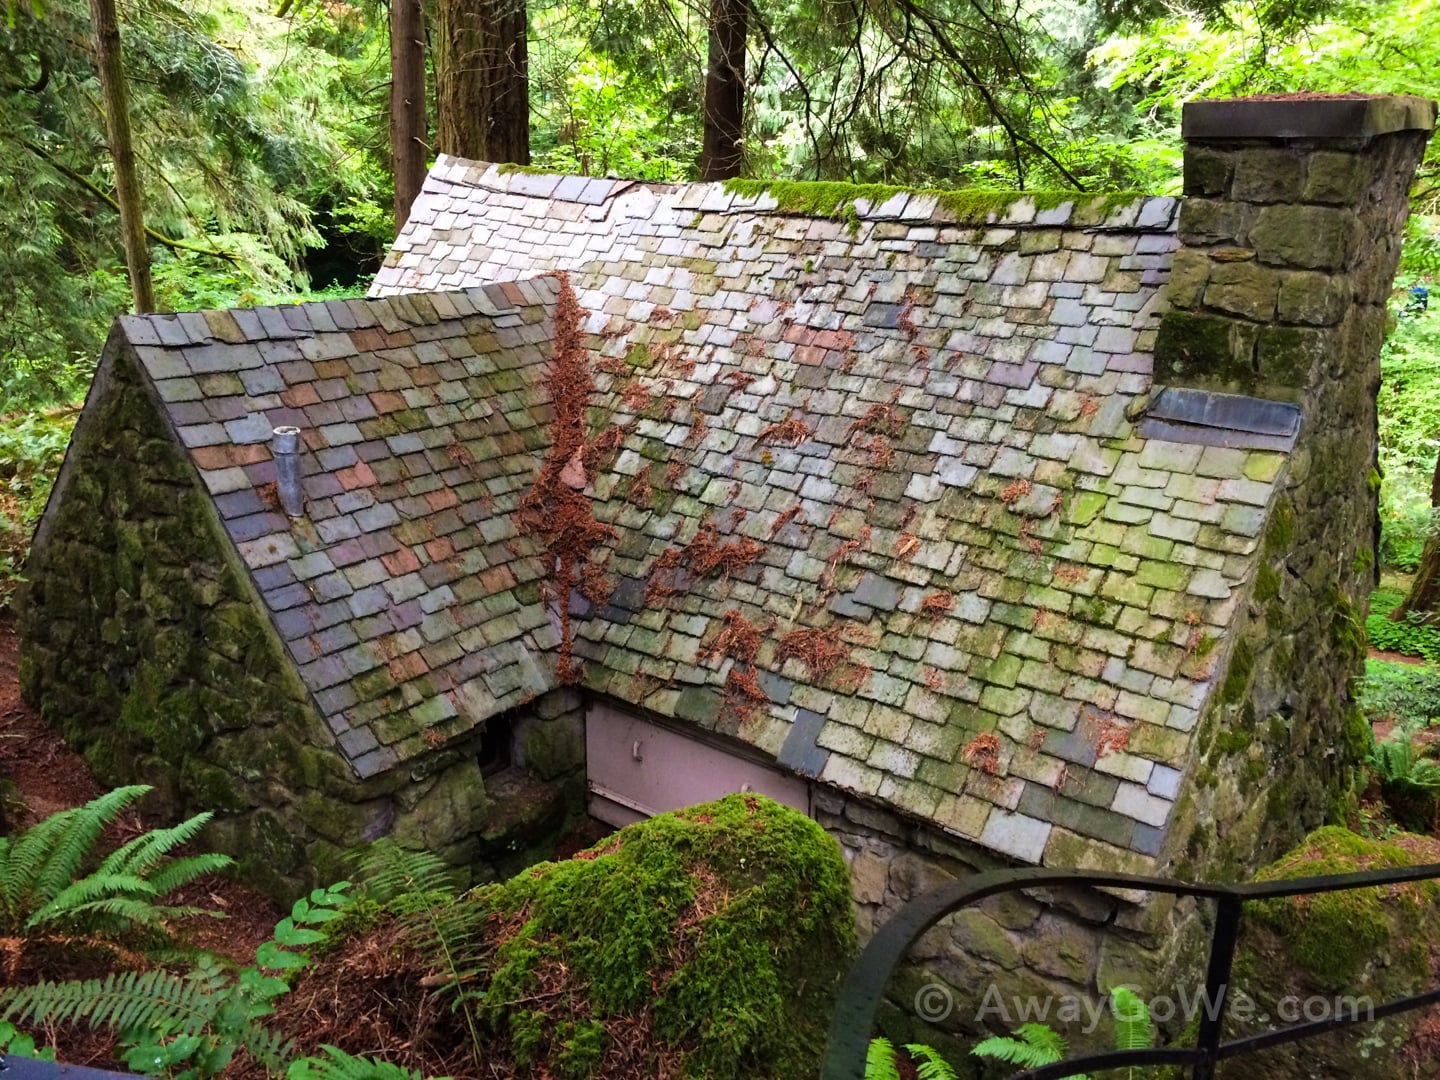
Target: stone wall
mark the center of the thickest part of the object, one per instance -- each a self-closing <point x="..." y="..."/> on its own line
<point x="1279" y="290"/>
<point x="144" y="643"/>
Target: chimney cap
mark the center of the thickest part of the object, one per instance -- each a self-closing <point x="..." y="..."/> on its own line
<point x="1306" y="116"/>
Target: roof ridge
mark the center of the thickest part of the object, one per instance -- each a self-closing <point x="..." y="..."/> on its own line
<point x="279" y="322"/>
<point x="837" y="200"/>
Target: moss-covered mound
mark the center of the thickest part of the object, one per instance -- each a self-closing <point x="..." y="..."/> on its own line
<point x="706" y="942"/>
<point x="1301" y="956"/>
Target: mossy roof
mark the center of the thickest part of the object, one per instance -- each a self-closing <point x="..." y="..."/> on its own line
<point x="926" y="440"/>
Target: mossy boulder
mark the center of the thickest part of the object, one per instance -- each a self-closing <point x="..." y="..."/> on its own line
<point x="707" y="942"/>
<point x="1373" y="943"/>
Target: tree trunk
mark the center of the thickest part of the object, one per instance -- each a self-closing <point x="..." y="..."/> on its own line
<point x="1424" y="595"/>
<point x="122" y="151"/>
<point x="722" y="153"/>
<point x="482" y="79"/>
<point x="407" y="103"/>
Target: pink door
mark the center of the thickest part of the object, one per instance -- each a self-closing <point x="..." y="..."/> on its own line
<point x="638" y="769"/>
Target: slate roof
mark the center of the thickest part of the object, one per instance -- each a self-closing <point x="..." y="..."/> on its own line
<point x="973" y="393"/>
<point x="924" y="436"/>
<point x="399" y="596"/>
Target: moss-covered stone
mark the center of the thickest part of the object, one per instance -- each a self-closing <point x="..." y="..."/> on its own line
<point x="1373" y="942"/>
<point x="729" y="923"/>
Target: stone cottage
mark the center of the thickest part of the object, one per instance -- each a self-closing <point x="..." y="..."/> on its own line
<point x="988" y="529"/>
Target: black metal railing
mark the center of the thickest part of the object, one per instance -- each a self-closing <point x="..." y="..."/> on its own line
<point x="855" y="1014"/>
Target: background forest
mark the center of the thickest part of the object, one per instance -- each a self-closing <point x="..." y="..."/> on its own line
<point x="274" y="140"/>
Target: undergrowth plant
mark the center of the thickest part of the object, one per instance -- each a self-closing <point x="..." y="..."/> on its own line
<point x="338" y="1065"/>
<point x="187" y="1027"/>
<point x="48" y="892"/>
<point x="1410" y="636"/>
<point x="1409" y="783"/>
<point x="1030" y="1046"/>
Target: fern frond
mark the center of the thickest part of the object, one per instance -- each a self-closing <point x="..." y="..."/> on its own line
<point x="388" y="871"/>
<point x="1132" y="1020"/>
<point x="1032" y="1046"/>
<point x="84" y="894"/>
<point x="338" y="1065"/>
<point x="155" y="1000"/>
<point x="145" y="852"/>
<point x="180" y="872"/>
<point x="929" y="1065"/>
<point x="73" y="844"/>
<point x="880" y="1060"/>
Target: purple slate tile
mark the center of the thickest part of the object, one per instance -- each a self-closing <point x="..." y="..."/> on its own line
<point x="323" y="414"/>
<point x="357" y="741"/>
<point x="337" y="457"/>
<point x="280" y="352"/>
<point x="406" y="615"/>
<point x="285" y="417"/>
<point x="331" y="389"/>
<point x="377" y="544"/>
<point x="261" y="473"/>
<point x="336" y="700"/>
<point x="295" y="623"/>
<point x="286" y="597"/>
<point x="323" y="486"/>
<point x="255" y="526"/>
<point x="335" y="530"/>
<point x="369" y="601"/>
<point x="274" y="323"/>
<point x="264" y="380"/>
<point x="372" y="450"/>
<point x="374" y="763"/>
<point x="1019" y="376"/>
<point x="334" y="638"/>
<point x="238" y="504"/>
<point x="331" y="587"/>
<point x="357" y="408"/>
<point x="297" y="317"/>
<point x="347" y="552"/>
<point x="331" y="614"/>
<point x="248" y="320"/>
<point x="170" y="330"/>
<point x="272" y="577"/>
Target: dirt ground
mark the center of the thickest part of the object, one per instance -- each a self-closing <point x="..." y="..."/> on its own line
<point x="49" y="777"/>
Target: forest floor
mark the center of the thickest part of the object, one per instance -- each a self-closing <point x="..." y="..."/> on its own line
<point x="49" y="776"/>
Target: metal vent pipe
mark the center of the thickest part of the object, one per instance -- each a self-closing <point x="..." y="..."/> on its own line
<point x="285" y="445"/>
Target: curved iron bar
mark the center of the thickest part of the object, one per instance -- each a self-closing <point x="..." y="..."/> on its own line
<point x="865" y="984"/>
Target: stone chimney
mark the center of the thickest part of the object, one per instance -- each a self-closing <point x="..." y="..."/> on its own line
<point x="1290" y="233"/>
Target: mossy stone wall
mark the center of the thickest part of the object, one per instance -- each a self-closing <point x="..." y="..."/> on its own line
<point x="1315" y="225"/>
<point x="144" y="642"/>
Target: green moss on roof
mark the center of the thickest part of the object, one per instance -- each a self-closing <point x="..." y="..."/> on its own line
<point x="835" y="199"/>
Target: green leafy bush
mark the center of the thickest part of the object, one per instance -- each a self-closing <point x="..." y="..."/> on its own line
<point x="1400" y="692"/>
<point x="45" y="890"/>
<point x="1411" y="636"/>
<point x="1409" y="783"/>
<point x="32" y="445"/>
<point x="190" y="1026"/>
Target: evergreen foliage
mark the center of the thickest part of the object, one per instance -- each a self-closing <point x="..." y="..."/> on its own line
<point x="45" y="889"/>
<point x="190" y="1026"/>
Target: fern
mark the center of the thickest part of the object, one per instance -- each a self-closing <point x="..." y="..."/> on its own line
<point x="188" y="1026"/>
<point x="1031" y="1046"/>
<point x="338" y="1065"/>
<point x="43" y="892"/>
<point x="390" y="873"/>
<point x="880" y="1060"/>
<point x="929" y="1065"/>
<point x="1132" y="1020"/>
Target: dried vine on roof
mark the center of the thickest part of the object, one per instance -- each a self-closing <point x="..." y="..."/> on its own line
<point x="559" y="514"/>
<point x="738" y="639"/>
